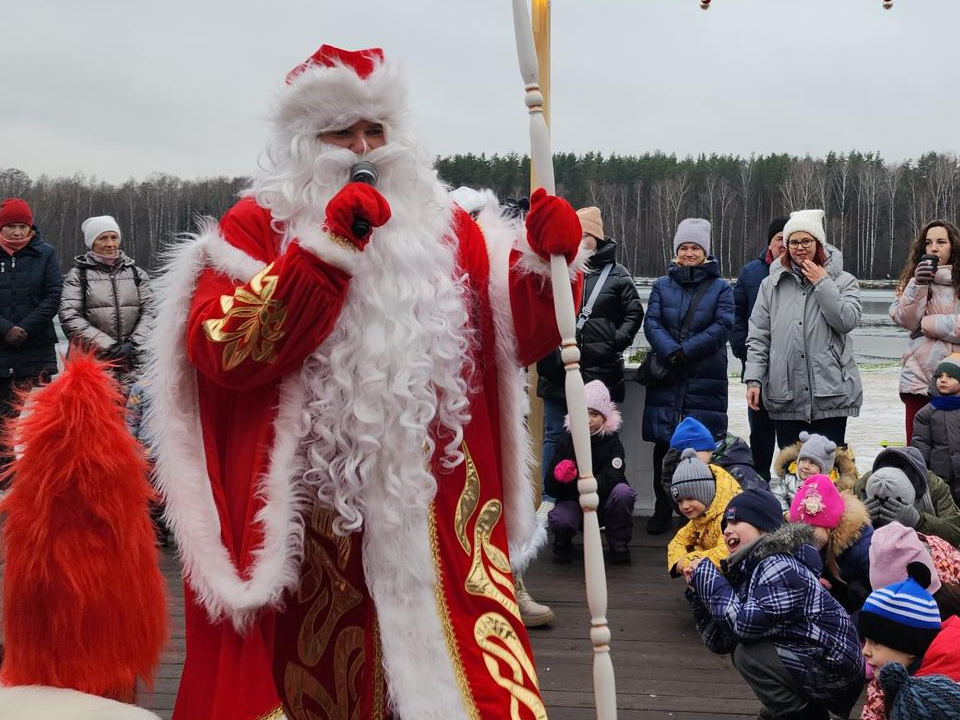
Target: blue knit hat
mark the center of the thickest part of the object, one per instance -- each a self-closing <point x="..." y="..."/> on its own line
<point x="902" y="616"/>
<point x="931" y="697"/>
<point x="691" y="433"/>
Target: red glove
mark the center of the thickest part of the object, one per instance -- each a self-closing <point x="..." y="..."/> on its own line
<point x="565" y="471"/>
<point x="356" y="201"/>
<point x="553" y="227"/>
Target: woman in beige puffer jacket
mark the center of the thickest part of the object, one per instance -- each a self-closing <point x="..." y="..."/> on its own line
<point x="928" y="306"/>
<point x="106" y="302"/>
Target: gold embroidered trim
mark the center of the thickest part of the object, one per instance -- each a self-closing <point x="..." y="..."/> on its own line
<point x="343" y="242"/>
<point x="466" y="694"/>
<point x="469" y="499"/>
<point x="379" y="686"/>
<point x="274" y="714"/>
<point x="509" y="650"/>
<point x="261" y="325"/>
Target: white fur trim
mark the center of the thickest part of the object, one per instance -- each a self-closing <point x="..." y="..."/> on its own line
<point x="35" y="702"/>
<point x="533" y="263"/>
<point x="181" y="464"/>
<point x="225" y="257"/>
<point x="525" y="535"/>
<point x="400" y="574"/>
<point x="318" y="243"/>
<point x="321" y="99"/>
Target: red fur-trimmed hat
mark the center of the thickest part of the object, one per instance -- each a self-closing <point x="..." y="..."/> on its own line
<point x="333" y="88"/>
<point x="14" y="211"/>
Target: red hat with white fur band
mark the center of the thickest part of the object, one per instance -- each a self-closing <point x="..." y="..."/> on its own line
<point x="334" y="88"/>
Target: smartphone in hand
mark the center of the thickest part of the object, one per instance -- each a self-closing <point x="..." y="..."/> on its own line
<point x="928" y="262"/>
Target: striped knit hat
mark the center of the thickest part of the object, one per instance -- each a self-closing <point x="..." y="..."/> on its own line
<point x="902" y="616"/>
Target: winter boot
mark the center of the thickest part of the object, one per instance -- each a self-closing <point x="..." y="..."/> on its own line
<point x="532" y="613"/>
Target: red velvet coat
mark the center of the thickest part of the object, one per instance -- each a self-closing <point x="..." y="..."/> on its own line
<point x="238" y="319"/>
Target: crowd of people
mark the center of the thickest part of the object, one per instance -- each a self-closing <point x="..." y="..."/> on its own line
<point x="816" y="579"/>
<point x="338" y="430"/>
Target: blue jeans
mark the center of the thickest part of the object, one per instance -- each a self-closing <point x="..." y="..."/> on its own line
<point x="554" y="412"/>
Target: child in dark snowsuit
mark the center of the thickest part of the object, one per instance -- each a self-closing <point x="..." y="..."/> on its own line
<point x="616" y="496"/>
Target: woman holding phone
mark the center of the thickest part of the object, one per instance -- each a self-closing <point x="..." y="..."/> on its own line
<point x="928" y="307"/>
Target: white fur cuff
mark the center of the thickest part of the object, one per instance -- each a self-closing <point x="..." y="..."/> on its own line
<point x="533" y="263"/>
<point x="338" y="254"/>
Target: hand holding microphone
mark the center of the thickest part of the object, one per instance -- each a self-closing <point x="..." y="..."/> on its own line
<point x="358" y="208"/>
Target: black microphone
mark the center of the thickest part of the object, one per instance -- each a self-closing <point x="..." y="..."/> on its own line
<point x="363" y="172"/>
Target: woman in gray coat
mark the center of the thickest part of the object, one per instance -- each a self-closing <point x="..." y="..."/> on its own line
<point x="799" y="349"/>
<point x="106" y="300"/>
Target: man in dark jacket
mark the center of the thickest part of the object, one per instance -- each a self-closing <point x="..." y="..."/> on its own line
<point x="30" y="285"/>
<point x="603" y="333"/>
<point x="762" y="431"/>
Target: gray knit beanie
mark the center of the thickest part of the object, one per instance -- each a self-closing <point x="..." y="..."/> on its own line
<point x="693" y="479"/>
<point x="693" y="230"/>
<point x="818" y="449"/>
<point x="890" y="482"/>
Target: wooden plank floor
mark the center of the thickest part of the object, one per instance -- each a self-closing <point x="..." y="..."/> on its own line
<point x="662" y="668"/>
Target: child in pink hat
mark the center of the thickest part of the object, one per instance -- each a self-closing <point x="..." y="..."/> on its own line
<point x="616" y="496"/>
<point x="843" y="533"/>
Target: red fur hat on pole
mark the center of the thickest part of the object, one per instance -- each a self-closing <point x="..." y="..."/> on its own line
<point x="84" y="603"/>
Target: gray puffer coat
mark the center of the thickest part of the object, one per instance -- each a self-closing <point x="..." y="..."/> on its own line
<point x="936" y="434"/>
<point x="799" y="348"/>
<point x="114" y="307"/>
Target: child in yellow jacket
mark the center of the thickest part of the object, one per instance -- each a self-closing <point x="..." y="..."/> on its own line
<point x="701" y="492"/>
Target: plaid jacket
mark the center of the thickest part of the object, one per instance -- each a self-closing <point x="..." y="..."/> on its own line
<point x="771" y="591"/>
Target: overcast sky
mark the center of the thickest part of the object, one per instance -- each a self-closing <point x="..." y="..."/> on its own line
<point x="120" y="89"/>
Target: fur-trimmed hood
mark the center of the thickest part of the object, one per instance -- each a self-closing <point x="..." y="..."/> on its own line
<point x="854" y="523"/>
<point x="795" y="539"/>
<point x="844" y="473"/>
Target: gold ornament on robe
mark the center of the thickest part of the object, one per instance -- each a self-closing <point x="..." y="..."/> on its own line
<point x="260" y="324"/>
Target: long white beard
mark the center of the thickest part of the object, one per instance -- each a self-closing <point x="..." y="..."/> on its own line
<point x="391" y="380"/>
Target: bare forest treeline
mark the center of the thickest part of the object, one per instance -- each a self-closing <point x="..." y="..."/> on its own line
<point x="874" y="208"/>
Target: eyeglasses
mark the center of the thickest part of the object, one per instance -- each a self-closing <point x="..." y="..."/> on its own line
<point x="805" y="243"/>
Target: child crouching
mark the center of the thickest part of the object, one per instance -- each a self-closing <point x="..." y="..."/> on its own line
<point x="616" y="496"/>
<point x="794" y="645"/>
<point x="701" y="492"/>
<point x="910" y="651"/>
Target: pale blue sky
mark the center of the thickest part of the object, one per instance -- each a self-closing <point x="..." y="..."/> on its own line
<point x="118" y="89"/>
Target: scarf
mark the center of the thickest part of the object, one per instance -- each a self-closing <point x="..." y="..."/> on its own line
<point x="12" y="246"/>
<point x="946" y="402"/>
<point x="111" y="261"/>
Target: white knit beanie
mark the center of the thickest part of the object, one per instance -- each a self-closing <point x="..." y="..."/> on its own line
<point x="95" y="226"/>
<point x="810" y="221"/>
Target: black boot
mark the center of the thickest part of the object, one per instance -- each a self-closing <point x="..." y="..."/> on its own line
<point x="662" y="519"/>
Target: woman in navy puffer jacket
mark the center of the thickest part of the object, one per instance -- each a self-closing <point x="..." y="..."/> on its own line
<point x="699" y="360"/>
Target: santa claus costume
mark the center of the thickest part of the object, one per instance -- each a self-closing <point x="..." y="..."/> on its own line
<point x="341" y="441"/>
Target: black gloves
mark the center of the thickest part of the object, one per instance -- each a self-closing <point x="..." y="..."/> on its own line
<point x="677" y="360"/>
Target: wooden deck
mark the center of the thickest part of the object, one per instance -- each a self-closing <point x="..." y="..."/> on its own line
<point x="663" y="670"/>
